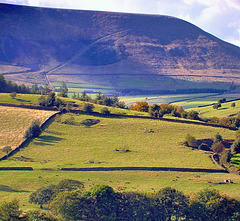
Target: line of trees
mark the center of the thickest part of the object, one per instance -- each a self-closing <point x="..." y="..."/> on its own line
<point x="10" y="86"/>
<point x="69" y="200"/>
<point x="101" y="99"/>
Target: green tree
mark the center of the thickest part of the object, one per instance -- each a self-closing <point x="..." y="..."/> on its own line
<point x="106" y="201"/>
<point x="105" y="111"/>
<point x="88" y="108"/>
<point x="193" y="115"/>
<point x="9" y="211"/>
<point x="34" y="130"/>
<point x="174" y="202"/>
<point x="218" y="138"/>
<point x="46" y="90"/>
<point x="63" y="91"/>
<point x="235" y="147"/>
<point x="190" y="140"/>
<point x="39" y="215"/>
<point x="43" y="195"/>
<point x="35" y="89"/>
<point x="217" y="105"/>
<point x="233" y="104"/>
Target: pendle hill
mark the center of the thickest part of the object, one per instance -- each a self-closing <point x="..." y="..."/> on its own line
<point x="115" y="51"/>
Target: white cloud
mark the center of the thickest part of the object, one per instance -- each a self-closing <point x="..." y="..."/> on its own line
<point x="218" y="17"/>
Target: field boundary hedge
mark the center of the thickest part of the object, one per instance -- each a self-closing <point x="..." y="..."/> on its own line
<point x="154" y="118"/>
<point x="174" y="169"/>
<point x="16" y="168"/>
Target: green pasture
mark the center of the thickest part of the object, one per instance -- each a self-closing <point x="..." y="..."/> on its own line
<point x="26" y="99"/>
<point x="176" y="99"/>
<point x="63" y="145"/>
<point x="32" y="99"/>
<point x="224" y="111"/>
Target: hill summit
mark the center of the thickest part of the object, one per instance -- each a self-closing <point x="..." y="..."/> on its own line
<point x="117" y="50"/>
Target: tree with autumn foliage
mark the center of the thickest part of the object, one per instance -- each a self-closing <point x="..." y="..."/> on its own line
<point x="141" y="106"/>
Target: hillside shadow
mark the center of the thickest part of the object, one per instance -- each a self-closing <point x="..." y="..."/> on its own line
<point x="5" y="188"/>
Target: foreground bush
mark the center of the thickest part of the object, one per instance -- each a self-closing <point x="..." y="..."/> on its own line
<point x="34" y="130"/>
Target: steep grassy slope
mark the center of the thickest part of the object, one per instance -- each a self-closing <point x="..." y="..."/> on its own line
<point x="115" y="50"/>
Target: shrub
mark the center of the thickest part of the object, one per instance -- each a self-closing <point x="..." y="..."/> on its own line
<point x="105" y="111"/>
<point x="233" y="104"/>
<point x="34" y="130"/>
<point x="88" y="108"/>
<point x="141" y="106"/>
<point x="13" y="95"/>
<point x="225" y="157"/>
<point x="218" y="147"/>
<point x="192" y="115"/>
<point x="218" y="138"/>
<point x="190" y="141"/>
<point x="70" y="121"/>
<point x="7" y="149"/>
<point x="235" y="148"/>
<point x="184" y="114"/>
<point x="216" y="106"/>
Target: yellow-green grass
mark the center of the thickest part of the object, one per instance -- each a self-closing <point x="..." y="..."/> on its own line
<point x="19" y="184"/>
<point x="158" y="99"/>
<point x="15" y="121"/>
<point x="64" y="145"/>
<point x="224" y="111"/>
<point x="32" y="99"/>
<point x="25" y="99"/>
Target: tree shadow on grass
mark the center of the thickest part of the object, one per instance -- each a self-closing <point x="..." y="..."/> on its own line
<point x="53" y="132"/>
<point x="21" y="100"/>
<point x="90" y="122"/>
<point x="49" y="139"/>
<point x="5" y="188"/>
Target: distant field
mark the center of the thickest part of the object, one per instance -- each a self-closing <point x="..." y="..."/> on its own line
<point x="15" y="121"/>
<point x="64" y="145"/>
<point x="224" y="111"/>
<point x="178" y="99"/>
<point x="187" y="101"/>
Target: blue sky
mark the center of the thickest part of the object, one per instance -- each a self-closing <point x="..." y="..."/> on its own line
<point x="218" y="17"/>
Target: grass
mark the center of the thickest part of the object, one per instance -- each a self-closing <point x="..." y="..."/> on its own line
<point x="20" y="184"/>
<point x="14" y="123"/>
<point x="26" y="99"/>
<point x="224" y="111"/>
<point x="64" y="145"/>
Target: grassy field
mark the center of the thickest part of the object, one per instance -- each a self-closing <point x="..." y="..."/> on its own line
<point x="79" y="145"/>
<point x="19" y="185"/>
<point x="224" y="111"/>
<point x="64" y="145"/>
<point x="32" y="99"/>
<point x="14" y="123"/>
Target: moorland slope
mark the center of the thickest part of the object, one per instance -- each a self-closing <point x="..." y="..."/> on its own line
<point x="123" y="51"/>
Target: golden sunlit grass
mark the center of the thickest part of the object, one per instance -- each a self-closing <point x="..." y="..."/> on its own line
<point x="15" y="121"/>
